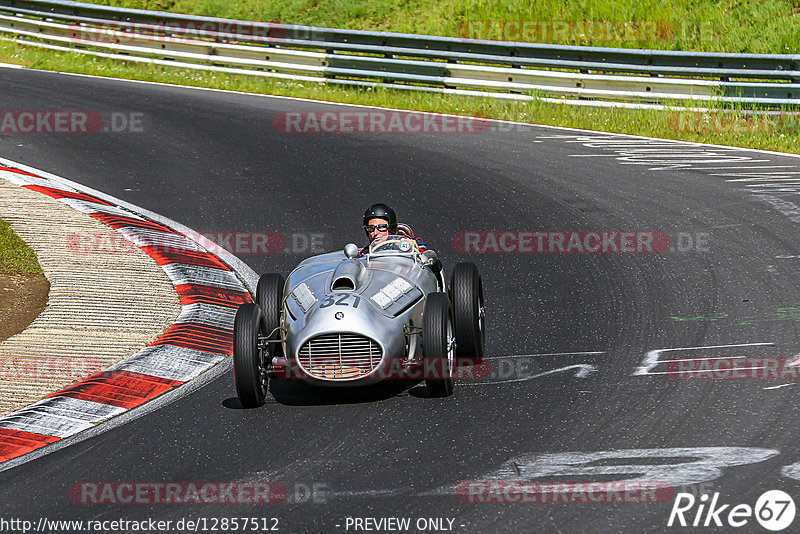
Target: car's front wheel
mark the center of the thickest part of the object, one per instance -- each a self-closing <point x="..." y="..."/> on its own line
<point x="269" y="296"/>
<point x="438" y="345"/>
<point x="248" y="365"/>
<point x="466" y="291"/>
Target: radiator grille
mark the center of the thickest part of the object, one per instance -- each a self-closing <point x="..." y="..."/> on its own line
<point x="339" y="356"/>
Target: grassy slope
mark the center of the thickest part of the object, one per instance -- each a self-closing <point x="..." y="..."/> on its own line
<point x="768" y="26"/>
<point x="15" y="256"/>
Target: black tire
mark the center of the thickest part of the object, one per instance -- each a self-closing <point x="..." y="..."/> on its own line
<point x="466" y="292"/>
<point x="438" y="353"/>
<point x="269" y="296"/>
<point x="248" y="368"/>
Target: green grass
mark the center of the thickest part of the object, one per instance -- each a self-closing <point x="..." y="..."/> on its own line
<point x="766" y="26"/>
<point x="15" y="256"/>
<point x="734" y="131"/>
<point x="769" y="26"/>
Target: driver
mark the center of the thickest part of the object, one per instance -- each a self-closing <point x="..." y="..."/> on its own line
<point x="380" y="221"/>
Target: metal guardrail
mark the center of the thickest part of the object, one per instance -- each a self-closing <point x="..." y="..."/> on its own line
<point x="493" y="68"/>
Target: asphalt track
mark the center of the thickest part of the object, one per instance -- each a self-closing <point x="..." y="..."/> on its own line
<point x="214" y="162"/>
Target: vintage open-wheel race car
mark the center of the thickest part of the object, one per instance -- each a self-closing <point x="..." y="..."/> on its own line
<point x="346" y="319"/>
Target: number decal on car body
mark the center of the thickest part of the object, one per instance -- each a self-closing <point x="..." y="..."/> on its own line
<point x="342" y="301"/>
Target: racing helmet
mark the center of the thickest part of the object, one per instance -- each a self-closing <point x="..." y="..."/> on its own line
<point x="382" y="211"/>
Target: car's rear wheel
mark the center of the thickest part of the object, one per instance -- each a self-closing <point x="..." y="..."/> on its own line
<point x="438" y="345"/>
<point x="248" y="366"/>
<point x="466" y="291"/>
<point x="269" y="296"/>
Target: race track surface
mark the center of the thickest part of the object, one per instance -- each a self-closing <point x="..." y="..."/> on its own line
<point x="574" y="385"/>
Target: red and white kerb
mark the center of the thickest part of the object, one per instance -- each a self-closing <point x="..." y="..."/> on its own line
<point x="200" y="337"/>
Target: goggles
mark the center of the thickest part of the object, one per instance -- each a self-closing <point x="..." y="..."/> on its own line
<point x="378" y="227"/>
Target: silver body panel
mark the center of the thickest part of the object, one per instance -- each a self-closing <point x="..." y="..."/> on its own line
<point x="351" y="309"/>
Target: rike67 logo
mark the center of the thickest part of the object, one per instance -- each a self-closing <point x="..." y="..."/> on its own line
<point x="774" y="510"/>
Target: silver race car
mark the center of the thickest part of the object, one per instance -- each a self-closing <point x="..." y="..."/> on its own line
<point x="342" y="319"/>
